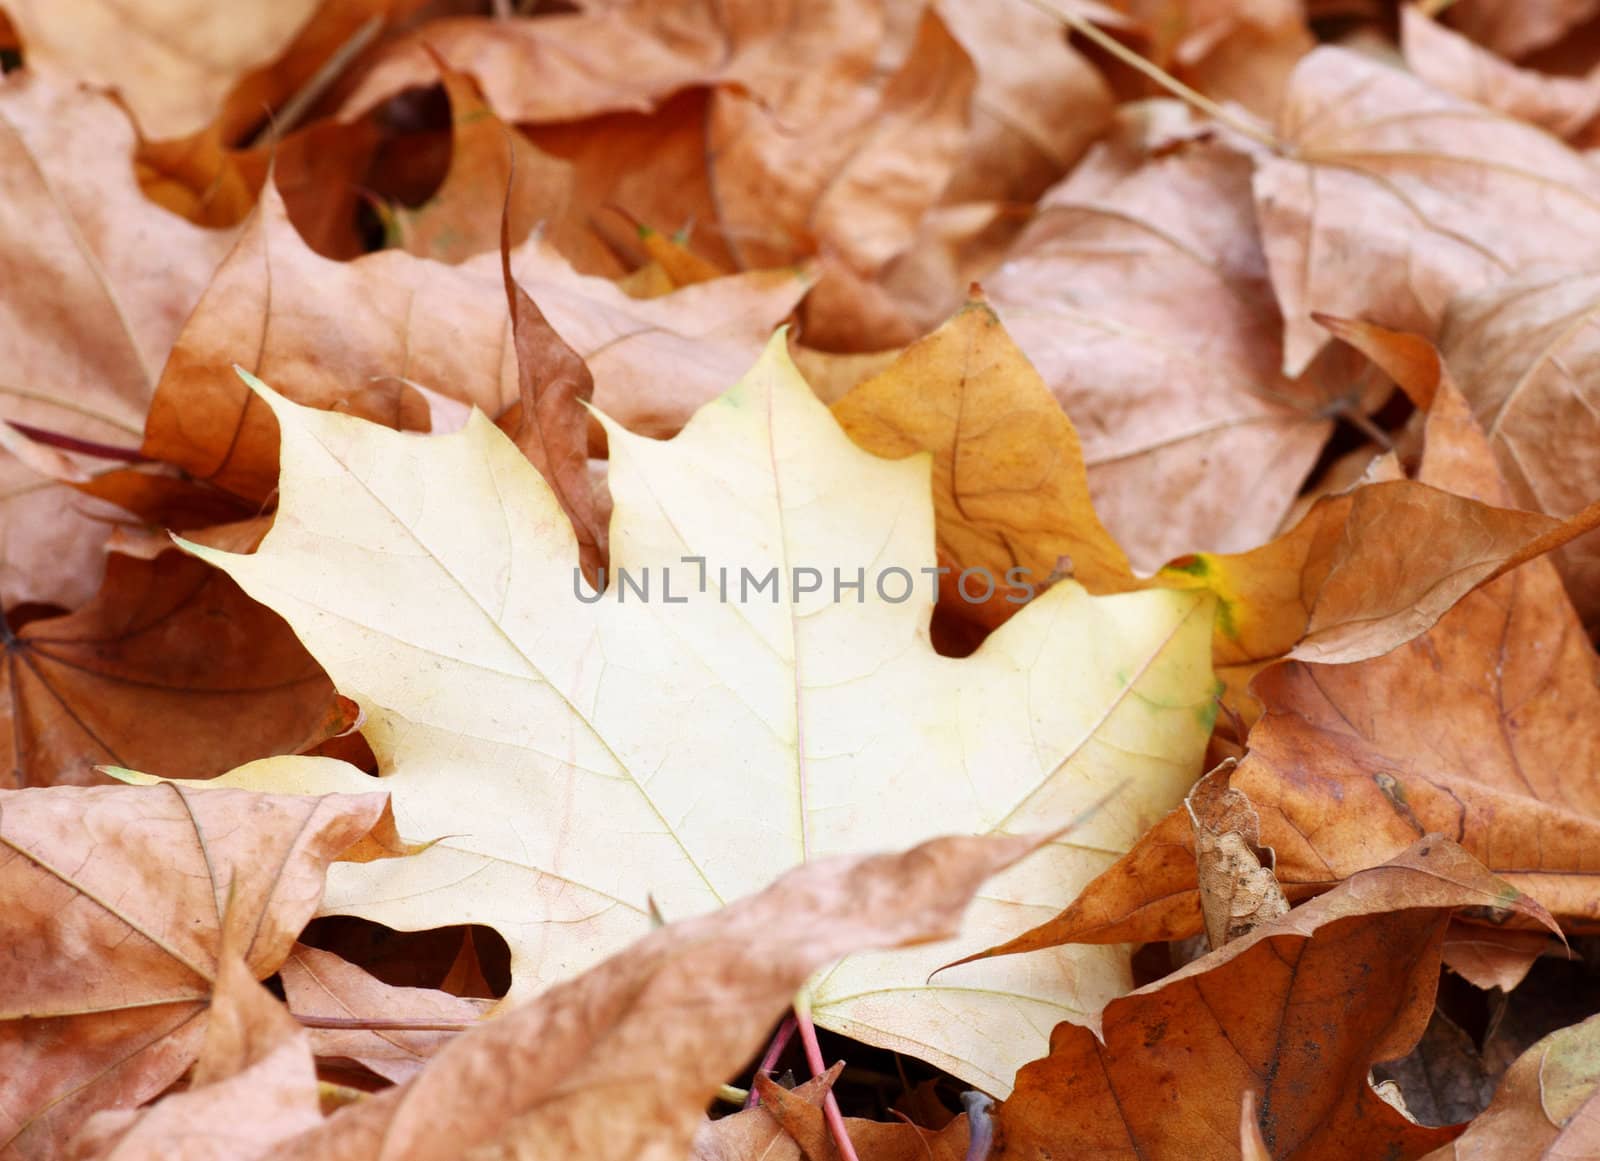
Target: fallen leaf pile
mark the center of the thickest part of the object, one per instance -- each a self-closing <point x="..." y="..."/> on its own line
<point x="877" y="580"/>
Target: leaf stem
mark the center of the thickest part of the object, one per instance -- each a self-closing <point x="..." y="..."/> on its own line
<point x="769" y="1061"/>
<point x="830" y="1106"/>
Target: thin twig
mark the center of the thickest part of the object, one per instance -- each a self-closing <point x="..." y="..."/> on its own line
<point x="830" y="1106"/>
<point x="1159" y="75"/>
<point x="780" y="1041"/>
<point x="360" y="1025"/>
<point x="72" y="443"/>
<point x="297" y="106"/>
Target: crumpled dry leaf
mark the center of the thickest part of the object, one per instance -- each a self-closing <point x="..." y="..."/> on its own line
<point x="81" y="349"/>
<point x="619" y="1063"/>
<point x="362" y="336"/>
<point x="114" y="900"/>
<point x="254" y="1085"/>
<point x="172" y="61"/>
<point x="1447" y="60"/>
<point x="319" y="983"/>
<point x="1140" y="294"/>
<point x="434" y="612"/>
<point x="1546" y="1106"/>
<point x="1392" y="197"/>
<point x="1237" y="893"/>
<point x="170" y="665"/>
<point x="1526" y="353"/>
<point x="1486" y="728"/>
<point x="1299" y="1009"/>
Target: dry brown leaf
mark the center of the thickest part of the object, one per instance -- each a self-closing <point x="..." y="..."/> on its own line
<point x="365" y="336"/>
<point x="462" y="218"/>
<point x="319" y="170"/>
<point x="1009" y="493"/>
<point x="1300" y="1008"/>
<point x="838" y="141"/>
<point x="1547" y="1105"/>
<point x="319" y="984"/>
<point x="1449" y="61"/>
<point x="1037" y="107"/>
<point x="82" y="347"/>
<point x="113" y="908"/>
<point x="1140" y="294"/>
<point x="170" y="668"/>
<point x="788" y="1126"/>
<point x="549" y="422"/>
<point x="173" y="61"/>
<point x="1485" y="728"/>
<point x="1252" y="1146"/>
<point x="1514" y="31"/>
<point x="1239" y="51"/>
<point x="254" y="1085"/>
<point x="1489" y="957"/>
<point x="1526" y="353"/>
<point x="1009" y="486"/>
<point x="620" y="1062"/>
<point x="1237" y="893"/>
<point x="1392" y="197"/>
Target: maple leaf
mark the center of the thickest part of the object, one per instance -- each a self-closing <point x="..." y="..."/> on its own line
<point x="1146" y="239"/>
<point x="1524" y="353"/>
<point x="1531" y="26"/>
<point x="82" y="348"/>
<point x="253" y="1085"/>
<point x="146" y="674"/>
<point x="1393" y="197"/>
<point x="717" y="741"/>
<point x="117" y="902"/>
<point x="318" y="983"/>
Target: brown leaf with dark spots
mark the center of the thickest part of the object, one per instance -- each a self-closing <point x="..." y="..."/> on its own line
<point x="1299" y="1009"/>
<point x="620" y="1062"/>
<point x="170" y="668"/>
<point x="112" y="902"/>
